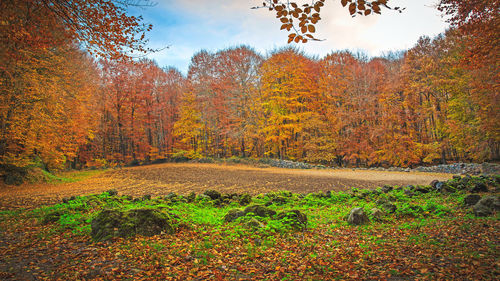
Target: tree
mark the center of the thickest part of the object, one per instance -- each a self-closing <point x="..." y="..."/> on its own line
<point x="479" y="22"/>
<point x="289" y="89"/>
<point x="300" y="18"/>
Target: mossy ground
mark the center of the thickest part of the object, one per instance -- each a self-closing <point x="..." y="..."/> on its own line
<point x="429" y="236"/>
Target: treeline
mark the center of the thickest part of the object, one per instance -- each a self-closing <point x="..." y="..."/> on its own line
<point x="434" y="103"/>
<point x="420" y="106"/>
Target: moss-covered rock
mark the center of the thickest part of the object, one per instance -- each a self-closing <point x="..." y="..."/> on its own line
<point x="260" y="210"/>
<point x="191" y="197"/>
<point x="389" y="207"/>
<point x="357" y="216"/>
<point x="253" y="223"/>
<point x="213" y="194"/>
<point x="487" y="206"/>
<point x="126" y="223"/>
<point x="233" y="214"/>
<point x="112" y="192"/>
<point x="245" y="199"/>
<point x="377" y="214"/>
<point x="471" y="199"/>
<point x="294" y="218"/>
<point x="387" y="188"/>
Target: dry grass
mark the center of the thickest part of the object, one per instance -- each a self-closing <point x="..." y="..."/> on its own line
<point x="161" y="179"/>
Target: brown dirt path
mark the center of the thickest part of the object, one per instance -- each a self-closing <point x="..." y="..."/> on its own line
<point x="161" y="179"/>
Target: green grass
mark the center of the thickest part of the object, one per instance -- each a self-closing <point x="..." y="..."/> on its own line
<point x="425" y="228"/>
<point x="71" y="176"/>
<point x="321" y="210"/>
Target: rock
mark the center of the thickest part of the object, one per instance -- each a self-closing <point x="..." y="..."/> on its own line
<point x="253" y="223"/>
<point x="279" y="200"/>
<point x="260" y="210"/>
<point x="360" y="193"/>
<point x="486" y="206"/>
<point x="245" y="199"/>
<point x="191" y="197"/>
<point x="482" y="210"/>
<point x="357" y="216"/>
<point x="377" y="213"/>
<point x="434" y="183"/>
<point x="492" y="201"/>
<point x="112" y="192"/>
<point x="390" y="208"/>
<point x="439" y="186"/>
<point x="490" y="168"/>
<point x="479" y="187"/>
<point x="126" y="223"/>
<point x="294" y="218"/>
<point x="471" y="199"/>
<point x="213" y="194"/>
<point x="422" y="189"/>
<point x="409" y="193"/>
<point x="171" y="196"/>
<point x="203" y="197"/>
<point x="233" y="214"/>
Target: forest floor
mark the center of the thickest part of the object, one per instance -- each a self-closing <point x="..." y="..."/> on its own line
<point x="420" y="234"/>
<point x="183" y="178"/>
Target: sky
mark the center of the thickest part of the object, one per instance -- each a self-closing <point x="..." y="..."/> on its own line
<point x="188" y="26"/>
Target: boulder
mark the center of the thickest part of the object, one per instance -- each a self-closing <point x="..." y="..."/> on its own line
<point x="409" y="193"/>
<point x="171" y="196"/>
<point x="439" y="186"/>
<point x="233" y="214"/>
<point x="213" y="194"/>
<point x="112" y="192"/>
<point x="294" y="218"/>
<point x="487" y="206"/>
<point x="278" y="200"/>
<point x="126" y="223"/>
<point x="245" y="199"/>
<point x="479" y="187"/>
<point x="389" y="207"/>
<point x="377" y="213"/>
<point x="260" y="210"/>
<point x="253" y="223"/>
<point x="434" y="183"/>
<point x="422" y="189"/>
<point x="203" y="197"/>
<point x="482" y="210"/>
<point x="191" y="197"/>
<point x="357" y="216"/>
<point x="471" y="199"/>
<point x="387" y="188"/>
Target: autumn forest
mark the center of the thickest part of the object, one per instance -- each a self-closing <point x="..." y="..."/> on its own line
<point x="249" y="164"/>
<point x="71" y="98"/>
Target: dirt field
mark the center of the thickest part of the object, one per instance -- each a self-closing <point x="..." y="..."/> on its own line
<point x="183" y="178"/>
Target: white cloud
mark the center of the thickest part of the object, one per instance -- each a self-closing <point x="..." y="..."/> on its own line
<point x="189" y="26"/>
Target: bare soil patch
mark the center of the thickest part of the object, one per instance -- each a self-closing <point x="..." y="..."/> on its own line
<point x="161" y="179"/>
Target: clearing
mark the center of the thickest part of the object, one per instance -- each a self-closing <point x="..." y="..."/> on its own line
<point x="161" y="179"/>
<point x="411" y="233"/>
